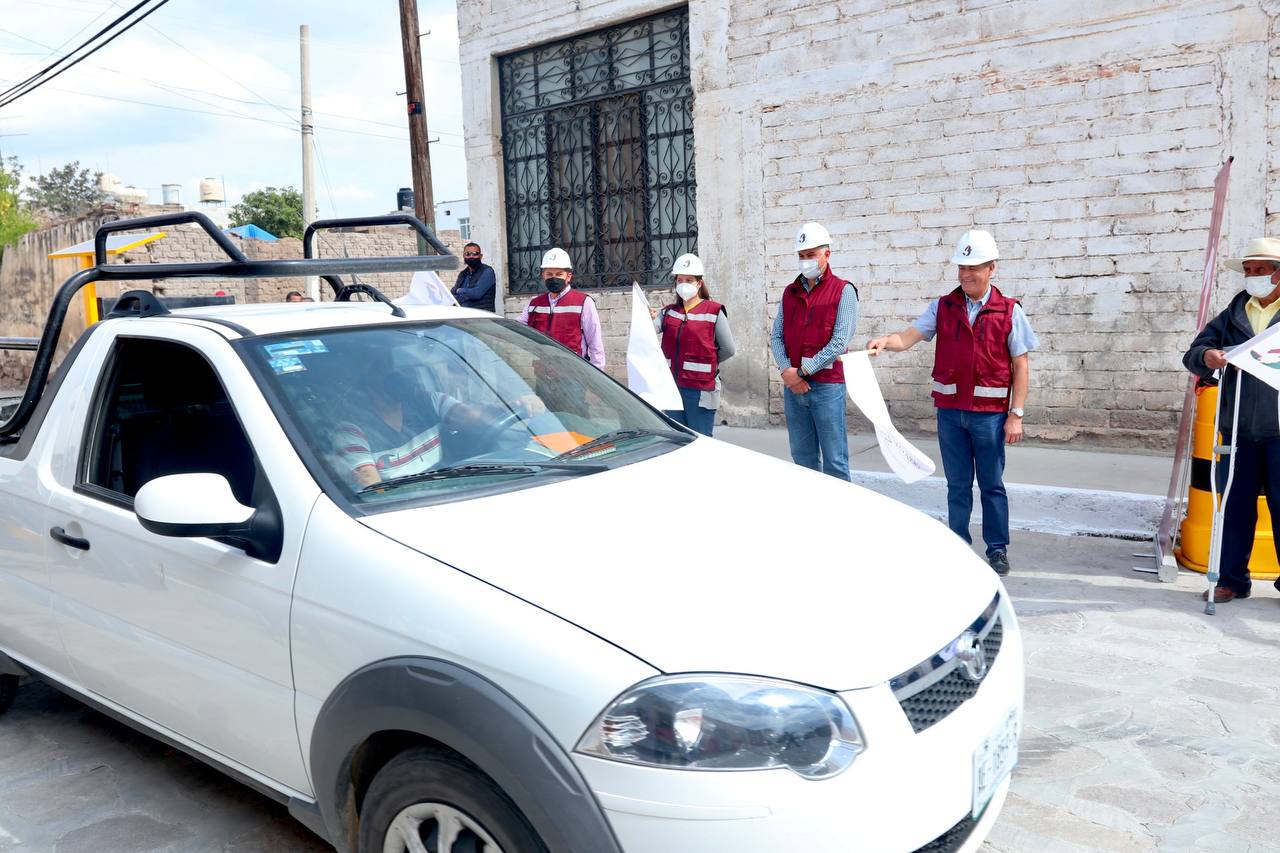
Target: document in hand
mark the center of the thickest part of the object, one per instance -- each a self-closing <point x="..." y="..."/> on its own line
<point x="648" y="373"/>
<point x="426" y="288"/>
<point x="1260" y="356"/>
<point x="903" y="457"/>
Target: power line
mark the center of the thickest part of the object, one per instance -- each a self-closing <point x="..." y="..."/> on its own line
<point x="36" y="81"/>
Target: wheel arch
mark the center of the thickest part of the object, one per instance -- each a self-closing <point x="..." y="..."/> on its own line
<point x="400" y="703"/>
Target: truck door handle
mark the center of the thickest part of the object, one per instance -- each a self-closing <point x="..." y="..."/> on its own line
<point x="62" y="536"/>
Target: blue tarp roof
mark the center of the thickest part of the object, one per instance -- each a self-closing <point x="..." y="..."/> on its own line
<point x="252" y="232"/>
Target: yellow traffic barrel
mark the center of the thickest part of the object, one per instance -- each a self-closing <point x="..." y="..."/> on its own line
<point x="1193" y="550"/>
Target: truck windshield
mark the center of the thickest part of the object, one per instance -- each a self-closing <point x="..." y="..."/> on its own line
<point x="432" y="411"/>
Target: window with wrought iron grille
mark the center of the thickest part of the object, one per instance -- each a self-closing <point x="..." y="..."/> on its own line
<point x="597" y="143"/>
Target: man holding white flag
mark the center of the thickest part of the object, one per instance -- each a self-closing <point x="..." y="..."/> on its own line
<point x="1246" y="336"/>
<point x="981" y="373"/>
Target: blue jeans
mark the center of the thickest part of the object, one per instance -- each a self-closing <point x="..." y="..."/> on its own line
<point x="974" y="442"/>
<point x="816" y="428"/>
<point x="693" y="416"/>
<point x="1257" y="473"/>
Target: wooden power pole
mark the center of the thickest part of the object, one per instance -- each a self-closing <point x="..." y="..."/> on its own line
<point x="419" y="151"/>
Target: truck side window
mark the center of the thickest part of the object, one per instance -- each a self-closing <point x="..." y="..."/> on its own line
<point x="164" y="411"/>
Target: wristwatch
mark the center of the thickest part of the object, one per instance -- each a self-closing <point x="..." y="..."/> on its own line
<point x="1017" y="411"/>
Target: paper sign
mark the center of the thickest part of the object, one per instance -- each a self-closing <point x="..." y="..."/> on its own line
<point x="648" y="374"/>
<point x="907" y="462"/>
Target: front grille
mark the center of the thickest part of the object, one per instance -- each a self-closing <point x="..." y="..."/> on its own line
<point x="935" y="702"/>
<point x="951" y="840"/>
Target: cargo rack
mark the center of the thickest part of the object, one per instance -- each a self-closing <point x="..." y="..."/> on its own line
<point x="237" y="265"/>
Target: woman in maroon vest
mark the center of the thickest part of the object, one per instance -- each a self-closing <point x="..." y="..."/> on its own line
<point x="695" y="339"/>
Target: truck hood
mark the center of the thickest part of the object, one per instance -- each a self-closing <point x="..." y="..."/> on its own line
<point x="711" y="558"/>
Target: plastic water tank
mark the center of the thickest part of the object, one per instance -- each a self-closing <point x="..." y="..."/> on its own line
<point x="211" y="190"/>
<point x="171" y="193"/>
<point x="404" y="198"/>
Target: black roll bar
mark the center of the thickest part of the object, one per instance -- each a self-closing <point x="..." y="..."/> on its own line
<point x="160" y="220"/>
<point x="308" y="237"/>
<point x="236" y="266"/>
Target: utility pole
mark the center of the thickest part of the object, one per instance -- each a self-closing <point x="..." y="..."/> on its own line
<point x="419" y="151"/>
<point x="308" y="130"/>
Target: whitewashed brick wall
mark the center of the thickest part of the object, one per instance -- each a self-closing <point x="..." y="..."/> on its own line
<point x="1085" y="136"/>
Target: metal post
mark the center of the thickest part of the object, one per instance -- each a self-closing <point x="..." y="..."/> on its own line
<point x="419" y="150"/>
<point x="308" y="131"/>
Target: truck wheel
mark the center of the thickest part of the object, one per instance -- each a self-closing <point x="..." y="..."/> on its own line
<point x="8" y="690"/>
<point x="427" y="802"/>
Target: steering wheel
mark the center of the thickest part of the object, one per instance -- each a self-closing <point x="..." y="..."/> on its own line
<point x="497" y="428"/>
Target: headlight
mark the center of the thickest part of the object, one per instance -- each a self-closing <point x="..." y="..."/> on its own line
<point x="712" y="722"/>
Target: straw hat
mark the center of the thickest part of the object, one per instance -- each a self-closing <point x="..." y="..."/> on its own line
<point x="1260" y="249"/>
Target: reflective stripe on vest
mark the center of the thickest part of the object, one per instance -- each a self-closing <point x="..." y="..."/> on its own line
<point x="939" y="388"/>
<point x="980" y="391"/>
<point x="696" y="367"/>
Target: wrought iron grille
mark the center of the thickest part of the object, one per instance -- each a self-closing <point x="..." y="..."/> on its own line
<point x="597" y="143"/>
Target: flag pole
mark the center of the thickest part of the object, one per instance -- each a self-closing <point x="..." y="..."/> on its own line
<point x="1219" y="506"/>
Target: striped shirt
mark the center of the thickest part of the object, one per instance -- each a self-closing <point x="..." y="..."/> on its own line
<point x="412" y="449"/>
<point x="846" y="320"/>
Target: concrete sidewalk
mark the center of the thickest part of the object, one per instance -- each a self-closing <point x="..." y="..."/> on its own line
<point x="1090" y="491"/>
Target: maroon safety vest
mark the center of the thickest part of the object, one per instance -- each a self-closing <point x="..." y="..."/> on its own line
<point x="972" y="367"/>
<point x="562" y="321"/>
<point x="809" y="319"/>
<point x="689" y="343"/>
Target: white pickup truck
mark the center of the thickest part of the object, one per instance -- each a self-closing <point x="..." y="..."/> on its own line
<point x="440" y="585"/>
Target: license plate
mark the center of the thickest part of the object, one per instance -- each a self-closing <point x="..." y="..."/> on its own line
<point x="995" y="759"/>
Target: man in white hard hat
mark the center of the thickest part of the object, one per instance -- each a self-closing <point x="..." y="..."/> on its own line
<point x="981" y="372"/>
<point x="570" y="317"/>
<point x="810" y="332"/>
<point x="1257" y="435"/>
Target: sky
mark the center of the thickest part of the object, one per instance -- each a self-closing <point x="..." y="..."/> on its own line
<point x="194" y="93"/>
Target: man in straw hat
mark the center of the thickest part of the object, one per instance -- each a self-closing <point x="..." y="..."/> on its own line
<point x="1257" y="441"/>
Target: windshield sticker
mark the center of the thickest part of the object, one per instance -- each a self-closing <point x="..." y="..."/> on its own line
<point x="285" y="348"/>
<point x="287" y="364"/>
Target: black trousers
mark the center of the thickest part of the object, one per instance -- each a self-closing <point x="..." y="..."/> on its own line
<point x="1257" y="473"/>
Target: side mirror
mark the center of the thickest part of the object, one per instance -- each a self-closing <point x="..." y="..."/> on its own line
<point x="191" y="505"/>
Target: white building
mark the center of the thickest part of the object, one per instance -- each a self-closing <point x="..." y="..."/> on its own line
<point x="1085" y="136"/>
<point x="454" y="215"/>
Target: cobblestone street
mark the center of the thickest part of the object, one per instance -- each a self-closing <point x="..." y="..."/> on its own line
<point x="1149" y="726"/>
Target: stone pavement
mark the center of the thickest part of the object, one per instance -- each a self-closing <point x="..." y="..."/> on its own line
<point x="1149" y="726"/>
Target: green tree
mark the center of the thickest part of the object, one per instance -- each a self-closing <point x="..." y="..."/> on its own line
<point x="276" y="210"/>
<point x="15" y="219"/>
<point x="67" y="191"/>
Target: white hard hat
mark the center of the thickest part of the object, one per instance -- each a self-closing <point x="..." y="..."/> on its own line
<point x="811" y="236"/>
<point x="975" y="248"/>
<point x="556" y="259"/>
<point x="687" y="265"/>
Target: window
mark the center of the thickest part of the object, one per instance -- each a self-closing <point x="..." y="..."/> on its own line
<point x="163" y="411"/>
<point x="464" y="227"/>
<point x="597" y="140"/>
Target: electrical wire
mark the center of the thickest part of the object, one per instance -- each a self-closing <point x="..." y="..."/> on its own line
<point x="46" y="77"/>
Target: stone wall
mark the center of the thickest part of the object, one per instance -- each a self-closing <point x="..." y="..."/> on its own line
<point x="1085" y="136"/>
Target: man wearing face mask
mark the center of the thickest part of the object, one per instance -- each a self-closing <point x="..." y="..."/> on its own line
<point x="810" y="332"/>
<point x="477" y="284"/>
<point x="563" y="313"/>
<point x="1257" y="468"/>
<point x="981" y="372"/>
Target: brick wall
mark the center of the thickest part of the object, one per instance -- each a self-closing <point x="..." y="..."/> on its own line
<point x="1084" y="136"/>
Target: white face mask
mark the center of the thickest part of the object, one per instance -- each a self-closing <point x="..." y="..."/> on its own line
<point x="809" y="268"/>
<point x="1259" y="286"/>
<point x="686" y="291"/>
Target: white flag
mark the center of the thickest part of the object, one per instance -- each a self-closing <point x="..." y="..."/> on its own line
<point x="648" y="373"/>
<point x="1260" y="355"/>
<point x="426" y="288"/>
<point x="903" y="457"/>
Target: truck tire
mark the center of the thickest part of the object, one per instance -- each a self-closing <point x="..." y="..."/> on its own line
<point x="430" y="794"/>
<point x="8" y="690"/>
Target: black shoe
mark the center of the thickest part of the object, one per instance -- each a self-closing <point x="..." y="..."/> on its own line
<point x="1276" y="583"/>
<point x="1000" y="562"/>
